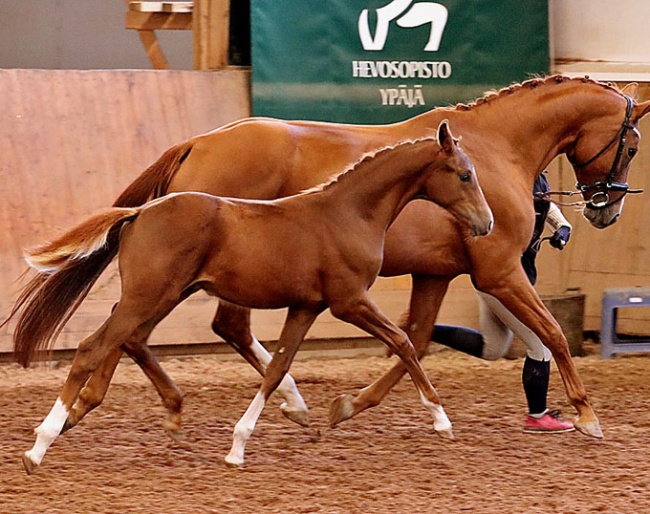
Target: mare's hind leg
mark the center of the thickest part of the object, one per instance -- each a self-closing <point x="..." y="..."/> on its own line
<point x="426" y="298"/>
<point x="298" y="322"/>
<point x="364" y="314"/>
<point x="232" y="323"/>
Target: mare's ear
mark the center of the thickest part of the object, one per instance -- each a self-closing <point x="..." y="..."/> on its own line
<point x="630" y="90"/>
<point x="445" y="139"/>
<point x="640" y="110"/>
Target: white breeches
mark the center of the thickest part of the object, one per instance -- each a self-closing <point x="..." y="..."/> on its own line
<point x="498" y="325"/>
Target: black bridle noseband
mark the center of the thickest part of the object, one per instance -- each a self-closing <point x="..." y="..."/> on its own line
<point x="600" y="199"/>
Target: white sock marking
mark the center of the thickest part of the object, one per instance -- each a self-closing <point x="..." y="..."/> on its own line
<point x="287" y="388"/>
<point x="243" y="430"/>
<point x="48" y="431"/>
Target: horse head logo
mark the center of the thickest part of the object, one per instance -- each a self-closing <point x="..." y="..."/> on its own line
<point x="419" y="14"/>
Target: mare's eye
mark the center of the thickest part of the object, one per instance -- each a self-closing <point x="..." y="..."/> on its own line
<point x="466" y="177"/>
<point x="631" y="152"/>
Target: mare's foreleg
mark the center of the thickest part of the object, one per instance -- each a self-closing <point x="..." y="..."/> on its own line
<point x="364" y="314"/>
<point x="233" y="323"/>
<point x="520" y="298"/>
<point x="426" y="298"/>
<point x="298" y="322"/>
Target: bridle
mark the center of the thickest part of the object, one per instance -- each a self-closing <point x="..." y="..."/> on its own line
<point x="600" y="199"/>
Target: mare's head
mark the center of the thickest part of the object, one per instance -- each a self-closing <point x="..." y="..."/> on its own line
<point x="603" y="150"/>
<point x="452" y="184"/>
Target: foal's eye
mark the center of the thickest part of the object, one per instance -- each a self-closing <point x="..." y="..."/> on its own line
<point x="631" y="152"/>
<point x="466" y="177"/>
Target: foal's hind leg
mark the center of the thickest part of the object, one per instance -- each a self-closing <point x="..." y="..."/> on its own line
<point x="426" y="298"/>
<point x="364" y="314"/>
<point x="232" y="323"/>
<point x="93" y="393"/>
<point x="128" y="322"/>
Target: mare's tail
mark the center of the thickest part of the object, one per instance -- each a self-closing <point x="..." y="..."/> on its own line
<point x="154" y="181"/>
<point x="66" y="270"/>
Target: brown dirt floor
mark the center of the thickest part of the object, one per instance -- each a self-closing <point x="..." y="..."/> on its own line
<point x="387" y="460"/>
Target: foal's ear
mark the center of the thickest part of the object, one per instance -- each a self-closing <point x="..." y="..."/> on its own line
<point x="630" y="90"/>
<point x="445" y="139"/>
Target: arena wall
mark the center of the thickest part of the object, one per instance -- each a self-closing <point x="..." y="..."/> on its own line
<point x="72" y="140"/>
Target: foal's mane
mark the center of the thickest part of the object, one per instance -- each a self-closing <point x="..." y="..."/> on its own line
<point x="531" y="84"/>
<point x="366" y="160"/>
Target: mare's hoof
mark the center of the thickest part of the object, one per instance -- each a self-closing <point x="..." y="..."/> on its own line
<point x="301" y="417"/>
<point x="590" y="428"/>
<point x="446" y="433"/>
<point x="29" y="465"/>
<point x="341" y="409"/>
<point x="180" y="438"/>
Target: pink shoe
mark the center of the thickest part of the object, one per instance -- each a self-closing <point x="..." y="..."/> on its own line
<point x="549" y="422"/>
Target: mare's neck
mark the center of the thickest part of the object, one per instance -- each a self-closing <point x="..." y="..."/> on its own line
<point x="525" y="126"/>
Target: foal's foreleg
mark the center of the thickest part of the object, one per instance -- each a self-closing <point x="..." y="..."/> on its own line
<point x="426" y="298"/>
<point x="298" y="322"/>
<point x="365" y="315"/>
<point x="233" y="323"/>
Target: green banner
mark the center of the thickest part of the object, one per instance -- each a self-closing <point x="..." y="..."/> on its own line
<point x="379" y="61"/>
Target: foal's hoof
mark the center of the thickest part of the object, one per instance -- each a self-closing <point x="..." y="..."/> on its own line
<point x="341" y="409"/>
<point x="590" y="428"/>
<point x="301" y="417"/>
<point x="446" y="434"/>
<point x="233" y="462"/>
<point x="29" y="465"/>
<point x="69" y="423"/>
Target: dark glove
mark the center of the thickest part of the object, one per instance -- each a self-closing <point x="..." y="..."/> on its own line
<point x="560" y="238"/>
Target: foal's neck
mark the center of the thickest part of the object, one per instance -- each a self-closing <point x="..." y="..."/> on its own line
<point x="379" y="186"/>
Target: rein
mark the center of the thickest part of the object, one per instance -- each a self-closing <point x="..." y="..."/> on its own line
<point x="600" y="199"/>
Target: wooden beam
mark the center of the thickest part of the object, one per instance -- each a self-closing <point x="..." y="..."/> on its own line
<point x="152" y="47"/>
<point x="158" y="21"/>
<point x="168" y="7"/>
<point x="211" y="34"/>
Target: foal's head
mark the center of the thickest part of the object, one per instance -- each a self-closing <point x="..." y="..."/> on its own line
<point x="452" y="183"/>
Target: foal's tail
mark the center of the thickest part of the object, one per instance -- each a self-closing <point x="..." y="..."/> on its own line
<point x="69" y="267"/>
<point x="66" y="270"/>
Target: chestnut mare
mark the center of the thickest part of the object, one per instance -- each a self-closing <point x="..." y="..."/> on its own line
<point x="510" y="135"/>
<point x="322" y="248"/>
